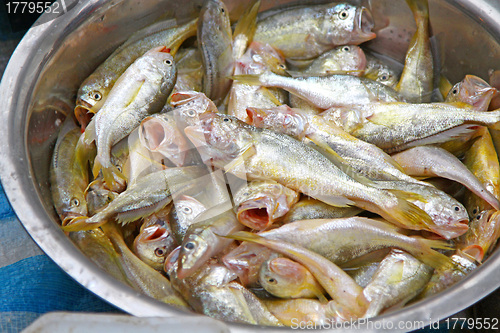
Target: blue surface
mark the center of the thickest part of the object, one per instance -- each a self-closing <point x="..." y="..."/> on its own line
<point x="31" y="284"/>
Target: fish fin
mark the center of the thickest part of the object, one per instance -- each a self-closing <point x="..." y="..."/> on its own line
<point x="433" y="258"/>
<point x="336" y="201"/>
<point x="136" y="214"/>
<point x="92" y="183"/>
<point x="247" y="23"/>
<point x="108" y="173"/>
<point x="269" y="95"/>
<point x="235" y="165"/>
<point x="321" y="297"/>
<point x="409" y="214"/>
<point x="444" y="86"/>
<point x="81" y="223"/>
<point x="338" y="160"/>
<point x="90" y="134"/>
<point x="251" y="79"/>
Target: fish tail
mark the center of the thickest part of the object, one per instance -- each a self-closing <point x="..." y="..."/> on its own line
<point x="251" y="79"/>
<point x="419" y="8"/>
<point x="80" y="223"/>
<point x="248" y="21"/>
<point x="409" y="214"/>
<point x="433" y="258"/>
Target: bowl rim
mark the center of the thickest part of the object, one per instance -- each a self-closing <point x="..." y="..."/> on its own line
<point x="19" y="187"/>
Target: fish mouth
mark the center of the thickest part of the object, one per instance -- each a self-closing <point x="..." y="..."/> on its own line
<point x="157" y="135"/>
<point x="478" y="91"/>
<point x="255" y="116"/>
<point x="154" y="234"/>
<point x="363" y="26"/>
<point x="362" y="57"/>
<point x="83" y="113"/>
<point x="172" y="259"/>
<point x="475" y="251"/>
<point x="254" y="216"/>
<point x="453" y="231"/>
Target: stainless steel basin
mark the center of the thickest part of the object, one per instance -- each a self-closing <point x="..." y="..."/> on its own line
<point x="38" y="91"/>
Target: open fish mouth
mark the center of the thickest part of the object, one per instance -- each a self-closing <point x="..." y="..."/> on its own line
<point x="155" y="233"/>
<point x="363" y="26"/>
<point x="83" y="113"/>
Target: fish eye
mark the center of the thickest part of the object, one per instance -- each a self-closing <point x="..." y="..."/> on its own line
<point x="272" y="281"/>
<point x="474" y="211"/>
<point x="168" y="62"/>
<point x="454" y="91"/>
<point x="160" y="252"/>
<point x="343" y="14"/>
<point x="75" y="202"/>
<point x="119" y="168"/>
<point x="187" y="210"/>
<point x="96" y="95"/>
<point x="191" y="113"/>
<point x="222" y="10"/>
<point x="456" y="208"/>
<point x="346" y="49"/>
<point x="189" y="246"/>
<point x="384" y="77"/>
<point x="282" y="66"/>
<point x="226" y="119"/>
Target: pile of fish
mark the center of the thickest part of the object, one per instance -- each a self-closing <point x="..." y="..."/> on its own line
<point x="275" y="171"/>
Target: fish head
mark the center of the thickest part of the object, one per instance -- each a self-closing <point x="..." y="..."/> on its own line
<point x="153" y="244"/>
<point x="474" y="91"/>
<point x="267" y="57"/>
<point x="484" y="230"/>
<point x="347" y="24"/>
<point x="257" y="213"/>
<point x="187" y="209"/>
<point x="160" y="63"/>
<point x="188" y="106"/>
<point x="282" y="119"/>
<point x="160" y="134"/>
<point x="193" y="254"/>
<point x="214" y="15"/>
<point x="220" y="138"/>
<point x="449" y="215"/>
<point x="280" y="276"/>
<point x="345" y="58"/>
<point x="73" y="205"/>
<point x="246" y="260"/>
<point x="90" y="98"/>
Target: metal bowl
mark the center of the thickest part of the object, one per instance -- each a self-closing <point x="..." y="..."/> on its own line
<point x="38" y="91"/>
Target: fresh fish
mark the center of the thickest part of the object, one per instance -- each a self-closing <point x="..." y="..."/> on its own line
<point x="399" y="278"/>
<point x="203" y="239"/>
<point x="212" y="291"/>
<point x="94" y="90"/>
<point x="399" y="126"/>
<point x="142" y="277"/>
<point x="484" y="231"/>
<point x="482" y="160"/>
<point x="345" y="59"/>
<point x="257" y="59"/>
<point x="448" y="214"/>
<point x="428" y="161"/>
<point x="364" y="158"/>
<point x="68" y="175"/>
<point x="309" y="209"/>
<point x="472" y="90"/>
<point x="246" y="151"/>
<point x="329" y="91"/>
<point x="98" y="248"/>
<point x="448" y="277"/>
<point x="183" y="215"/>
<point x="142" y="89"/>
<point x="293" y="312"/>
<point x="189" y="70"/>
<point x="259" y="204"/>
<point x="307" y="32"/>
<point x="416" y="82"/>
<point x="377" y="70"/>
<point x="215" y="40"/>
<point x="246" y="260"/>
<point x="150" y="194"/>
<point x="344" y="239"/>
<point x="340" y="286"/>
<point x="159" y="133"/>
<point x="285" y="278"/>
<point x="155" y="241"/>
